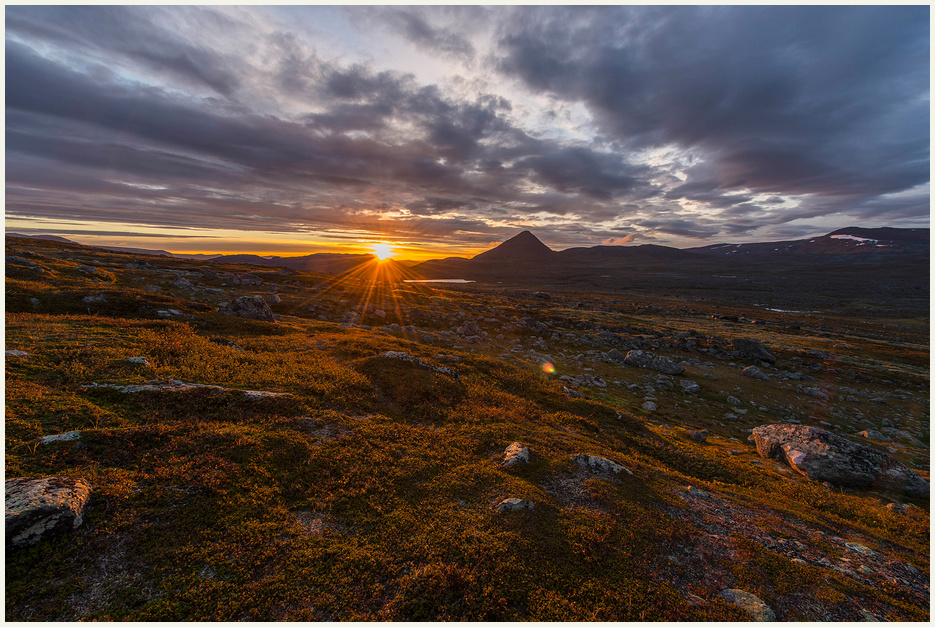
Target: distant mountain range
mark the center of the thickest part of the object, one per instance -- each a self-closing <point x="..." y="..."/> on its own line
<point x="525" y="256"/>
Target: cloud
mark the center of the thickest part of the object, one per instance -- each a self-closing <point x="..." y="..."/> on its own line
<point x="680" y="121"/>
<point x="789" y="100"/>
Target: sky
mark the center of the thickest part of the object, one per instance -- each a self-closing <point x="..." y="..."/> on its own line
<point x="444" y="130"/>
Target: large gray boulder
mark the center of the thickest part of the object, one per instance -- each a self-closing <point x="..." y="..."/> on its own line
<point x="252" y="307"/>
<point x="643" y="359"/>
<point x="41" y="508"/>
<point x="752" y="349"/>
<point x="825" y="456"/>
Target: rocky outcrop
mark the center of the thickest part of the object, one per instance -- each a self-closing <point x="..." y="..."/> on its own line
<point x="752" y="349"/>
<point x="642" y="359"/>
<point x="250" y="307"/>
<point x="825" y="456"/>
<point x="41" y="508"/>
<point x="174" y="385"/>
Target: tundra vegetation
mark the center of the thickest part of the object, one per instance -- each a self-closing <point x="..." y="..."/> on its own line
<point x="372" y="484"/>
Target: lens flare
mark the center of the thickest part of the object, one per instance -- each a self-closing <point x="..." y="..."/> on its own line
<point x="548" y="368"/>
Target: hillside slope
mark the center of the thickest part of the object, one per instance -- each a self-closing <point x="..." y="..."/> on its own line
<point x="345" y="460"/>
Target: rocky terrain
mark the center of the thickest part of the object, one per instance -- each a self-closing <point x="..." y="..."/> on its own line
<point x="266" y="444"/>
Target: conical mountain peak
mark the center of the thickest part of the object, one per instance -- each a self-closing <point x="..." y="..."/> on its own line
<point x="522" y="247"/>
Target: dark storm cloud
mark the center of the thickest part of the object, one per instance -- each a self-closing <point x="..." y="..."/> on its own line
<point x="794" y="100"/>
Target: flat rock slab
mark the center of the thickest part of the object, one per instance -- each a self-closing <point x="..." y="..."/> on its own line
<point x="174" y="385"/>
<point x="825" y="456"/>
<point x="515" y="453"/>
<point x="60" y="437"/>
<point x="750" y="603"/>
<point x="600" y="464"/>
<point x="41" y="508"/>
<point x="450" y="372"/>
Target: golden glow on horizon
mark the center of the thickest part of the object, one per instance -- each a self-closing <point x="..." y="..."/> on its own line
<point x="382" y="251"/>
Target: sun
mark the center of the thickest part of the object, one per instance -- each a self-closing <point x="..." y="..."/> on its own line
<point x="382" y="251"/>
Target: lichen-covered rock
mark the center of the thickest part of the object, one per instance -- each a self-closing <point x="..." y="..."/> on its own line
<point x="41" y="508"/>
<point x="515" y="453"/>
<point x="514" y="505"/>
<point x="599" y="464"/>
<point x="750" y="603"/>
<point x="825" y="456"/>
<point x="250" y="307"/>
<point x="642" y="359"/>
<point x="752" y="349"/>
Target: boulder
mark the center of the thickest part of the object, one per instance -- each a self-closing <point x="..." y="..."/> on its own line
<point x="209" y="274"/>
<point x="515" y="453"/>
<point x="750" y="603"/>
<point x="755" y="373"/>
<point x="251" y="307"/>
<point x="825" y="456"/>
<point x="650" y="406"/>
<point x="41" y="508"/>
<point x="273" y="299"/>
<point x="642" y="359"/>
<point x="752" y="349"/>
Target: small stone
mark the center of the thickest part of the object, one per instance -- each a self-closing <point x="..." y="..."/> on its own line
<point x="750" y="603"/>
<point x="61" y="437"/>
<point x="689" y="386"/>
<point x="755" y="373"/>
<point x="94" y="299"/>
<point x="514" y="505"/>
<point x="273" y="299"/>
<point x="183" y="284"/>
<point x="515" y="453"/>
<point x="650" y="406"/>
<point x="17" y="354"/>
<point x="139" y="360"/>
<point x="698" y="436"/>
